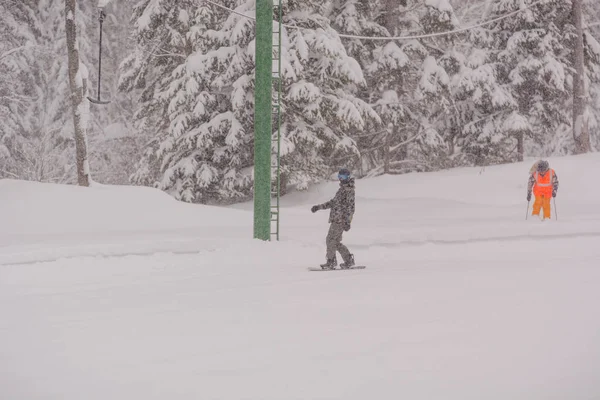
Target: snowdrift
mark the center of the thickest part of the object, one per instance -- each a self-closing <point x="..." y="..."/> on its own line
<point x="42" y="209"/>
<point x="45" y="221"/>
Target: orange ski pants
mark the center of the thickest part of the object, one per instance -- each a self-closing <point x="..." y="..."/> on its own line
<point x="542" y="202"/>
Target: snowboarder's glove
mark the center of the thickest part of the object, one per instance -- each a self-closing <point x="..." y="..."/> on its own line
<point x="554" y="193"/>
<point x="314" y="209"/>
<point x="528" y="196"/>
<point x="347" y="226"/>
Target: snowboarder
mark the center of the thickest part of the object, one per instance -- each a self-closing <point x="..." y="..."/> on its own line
<point x="544" y="182"/>
<point x="340" y="218"/>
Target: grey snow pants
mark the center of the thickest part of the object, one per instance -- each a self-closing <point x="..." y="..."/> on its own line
<point x="334" y="242"/>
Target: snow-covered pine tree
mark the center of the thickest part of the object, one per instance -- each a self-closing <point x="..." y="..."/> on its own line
<point x="39" y="142"/>
<point x="197" y="77"/>
<point x="520" y="77"/>
<point x="40" y="145"/>
<point x="409" y="86"/>
<point x="361" y="18"/>
<point x="358" y="18"/>
<point x="393" y="76"/>
<point x="323" y="111"/>
<point x="440" y="118"/>
<point x="193" y="67"/>
<point x="592" y="60"/>
<point x="483" y="103"/>
<point x="13" y="43"/>
<point x="501" y="123"/>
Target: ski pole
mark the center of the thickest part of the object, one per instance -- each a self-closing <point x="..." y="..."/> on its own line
<point x="527" y="213"/>
<point x="555" y="210"/>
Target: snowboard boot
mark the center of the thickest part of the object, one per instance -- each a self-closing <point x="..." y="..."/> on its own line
<point x="349" y="263"/>
<point x="330" y="264"/>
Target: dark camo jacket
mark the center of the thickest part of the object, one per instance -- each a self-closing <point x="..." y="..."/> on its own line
<point x="342" y="204"/>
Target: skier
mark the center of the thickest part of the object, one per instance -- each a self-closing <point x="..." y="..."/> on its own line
<point x="544" y="182"/>
<point x="340" y="218"/>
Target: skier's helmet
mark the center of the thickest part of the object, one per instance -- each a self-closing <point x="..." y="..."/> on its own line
<point x="543" y="166"/>
<point x="344" y="174"/>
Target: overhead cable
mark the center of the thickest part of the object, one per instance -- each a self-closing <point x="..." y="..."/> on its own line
<point x="430" y="35"/>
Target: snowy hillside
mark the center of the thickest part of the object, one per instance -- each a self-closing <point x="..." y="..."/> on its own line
<point x="143" y="297"/>
<point x="45" y="221"/>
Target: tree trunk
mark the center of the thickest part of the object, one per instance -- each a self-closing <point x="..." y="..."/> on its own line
<point x="580" y="125"/>
<point x="520" y="146"/>
<point x="78" y="80"/>
<point x="386" y="149"/>
<point x="390" y="17"/>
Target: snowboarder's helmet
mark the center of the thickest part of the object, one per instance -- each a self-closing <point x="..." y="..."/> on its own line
<point x="543" y="166"/>
<point x="344" y="174"/>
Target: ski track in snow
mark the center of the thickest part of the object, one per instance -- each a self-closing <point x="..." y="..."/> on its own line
<point x="100" y="250"/>
<point x="480" y="240"/>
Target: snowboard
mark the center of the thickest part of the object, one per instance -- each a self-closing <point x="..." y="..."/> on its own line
<point x="337" y="268"/>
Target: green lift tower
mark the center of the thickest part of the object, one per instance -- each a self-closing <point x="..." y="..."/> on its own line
<point x="267" y="112"/>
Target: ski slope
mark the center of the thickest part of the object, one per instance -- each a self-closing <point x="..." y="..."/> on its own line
<point x="124" y="293"/>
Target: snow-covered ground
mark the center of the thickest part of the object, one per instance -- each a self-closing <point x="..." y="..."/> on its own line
<point x="124" y="293"/>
